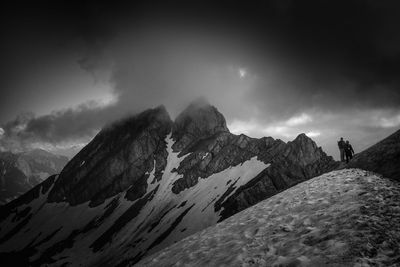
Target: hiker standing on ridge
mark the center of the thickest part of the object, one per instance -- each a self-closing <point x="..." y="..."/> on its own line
<point x="341" y="145"/>
<point x="348" y="149"/>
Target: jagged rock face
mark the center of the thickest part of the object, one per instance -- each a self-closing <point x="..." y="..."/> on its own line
<point x="20" y="172"/>
<point x="304" y="151"/>
<point x="117" y="158"/>
<point x="148" y="182"/>
<point x="291" y="163"/>
<point x="213" y="155"/>
<point x="383" y="157"/>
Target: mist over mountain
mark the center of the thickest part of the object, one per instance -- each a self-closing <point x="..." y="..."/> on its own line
<point x="328" y="69"/>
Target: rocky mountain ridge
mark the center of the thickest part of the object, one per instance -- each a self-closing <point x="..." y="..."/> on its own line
<point x="147" y="182"/>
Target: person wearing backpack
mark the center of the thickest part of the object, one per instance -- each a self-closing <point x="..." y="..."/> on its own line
<point x="348" y="151"/>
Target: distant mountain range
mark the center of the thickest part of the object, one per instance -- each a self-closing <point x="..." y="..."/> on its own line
<point x="20" y="172"/>
<point x="147" y="182"/>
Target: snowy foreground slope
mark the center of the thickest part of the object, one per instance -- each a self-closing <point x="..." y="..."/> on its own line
<point x="349" y="217"/>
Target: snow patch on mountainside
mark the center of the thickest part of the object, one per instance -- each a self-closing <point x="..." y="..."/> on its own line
<point x="194" y="203"/>
<point x="349" y="217"/>
<point x="203" y="196"/>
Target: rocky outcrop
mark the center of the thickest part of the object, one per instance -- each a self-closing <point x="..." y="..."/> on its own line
<point x="119" y="157"/>
<point x="383" y="157"/>
<point x="212" y="155"/>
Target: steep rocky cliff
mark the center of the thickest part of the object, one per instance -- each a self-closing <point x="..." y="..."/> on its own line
<point x="147" y="182"/>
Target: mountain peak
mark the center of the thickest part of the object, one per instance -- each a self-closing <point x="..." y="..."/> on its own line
<point x="115" y="159"/>
<point x="198" y="121"/>
<point x="304" y="150"/>
<point x="304" y="140"/>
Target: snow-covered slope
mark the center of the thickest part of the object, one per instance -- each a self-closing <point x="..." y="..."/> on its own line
<point x="349" y="217"/>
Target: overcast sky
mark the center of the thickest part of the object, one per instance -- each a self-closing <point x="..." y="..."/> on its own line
<point x="273" y="68"/>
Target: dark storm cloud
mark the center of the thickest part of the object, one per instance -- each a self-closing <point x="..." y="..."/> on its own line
<point x="331" y="55"/>
<point x="61" y="126"/>
<point x="276" y="60"/>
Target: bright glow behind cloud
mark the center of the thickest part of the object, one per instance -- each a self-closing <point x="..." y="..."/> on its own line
<point x="289" y="128"/>
<point x="242" y="73"/>
<point x="313" y="134"/>
<point x="298" y="120"/>
<point x="282" y="129"/>
<point x="389" y="122"/>
<point x="244" y="127"/>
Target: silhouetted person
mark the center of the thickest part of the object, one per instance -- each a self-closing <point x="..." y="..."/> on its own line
<point x="341" y="145"/>
<point x="348" y="149"/>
